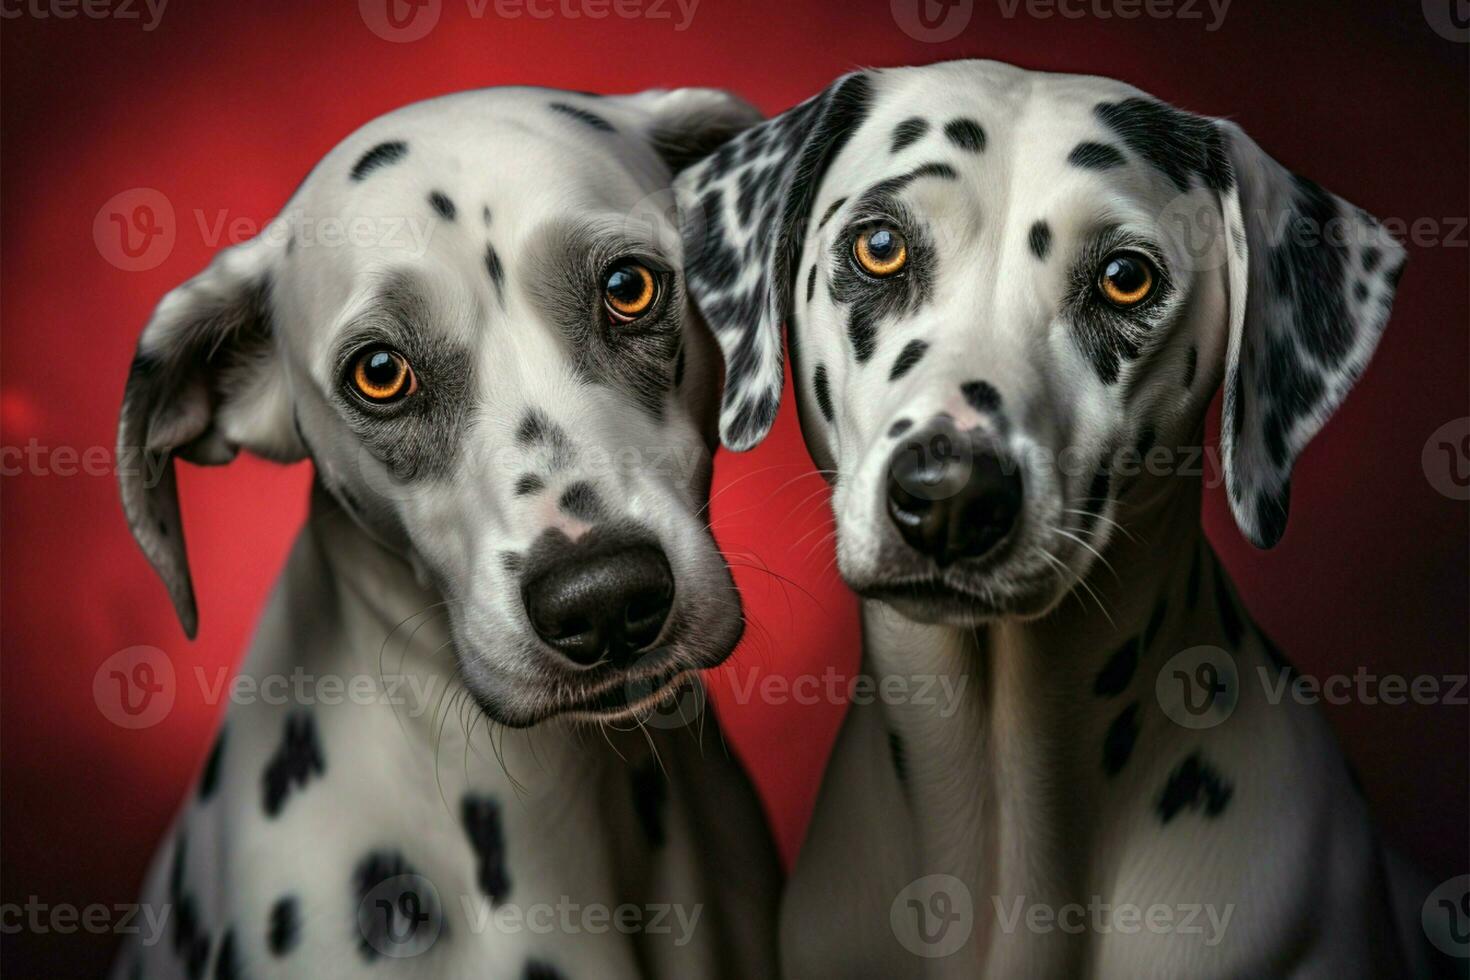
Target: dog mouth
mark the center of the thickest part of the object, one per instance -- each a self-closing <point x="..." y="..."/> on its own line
<point x="628" y="699"/>
<point x="933" y="599"/>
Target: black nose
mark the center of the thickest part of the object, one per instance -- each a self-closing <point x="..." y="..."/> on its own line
<point x="951" y="499"/>
<point x="607" y="606"/>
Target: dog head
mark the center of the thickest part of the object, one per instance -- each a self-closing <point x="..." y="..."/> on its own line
<point x="471" y="318"/>
<point x="997" y="281"/>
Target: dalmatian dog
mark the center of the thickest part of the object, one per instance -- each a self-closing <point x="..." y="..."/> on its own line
<point x="1009" y="299"/>
<point x="470" y="318"/>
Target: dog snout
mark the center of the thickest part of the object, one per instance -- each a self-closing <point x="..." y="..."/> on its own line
<point x="951" y="495"/>
<point x="609" y="606"/>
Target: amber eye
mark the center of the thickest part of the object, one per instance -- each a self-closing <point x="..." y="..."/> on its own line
<point x="880" y="251"/>
<point x="1126" y="279"/>
<point x="628" y="291"/>
<point x="382" y="375"/>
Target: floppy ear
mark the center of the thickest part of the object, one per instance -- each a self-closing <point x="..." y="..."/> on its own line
<point x="688" y="124"/>
<point x="1311" y="281"/>
<point x="206" y="381"/>
<point x="745" y="213"/>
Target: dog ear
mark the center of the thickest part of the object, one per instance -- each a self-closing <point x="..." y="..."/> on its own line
<point x="688" y="124"/>
<point x="205" y="382"/>
<point x="1311" y="280"/>
<point x="745" y="212"/>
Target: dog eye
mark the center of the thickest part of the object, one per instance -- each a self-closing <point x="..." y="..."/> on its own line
<point x="382" y="375"/>
<point x="1126" y="279"/>
<point x="880" y="251"/>
<point x="628" y="291"/>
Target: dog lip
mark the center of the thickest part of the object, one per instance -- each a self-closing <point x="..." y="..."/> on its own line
<point x="614" y="703"/>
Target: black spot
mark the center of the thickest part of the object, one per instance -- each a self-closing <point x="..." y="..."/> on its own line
<point x="441" y="203"/>
<point x="907" y="133"/>
<point x="1095" y="156"/>
<point x="481" y="818"/>
<point x="650" y="793"/>
<point x="294" y="763"/>
<point x="895" y="752"/>
<point x="811" y="284"/>
<point x="754" y="415"/>
<point x="209" y="778"/>
<point x="485" y="214"/>
<point x="822" y="391"/>
<point x="1229" y="615"/>
<point x="1146" y="438"/>
<point x="1372" y="255"/>
<point x="1117" y="673"/>
<point x="396" y="918"/>
<point x="1040" y="239"/>
<point x="862" y="332"/>
<point x="679" y="368"/>
<point x="912" y="353"/>
<point x="1178" y="144"/>
<point x="967" y="134"/>
<point x="536" y="428"/>
<point x="831" y="210"/>
<point x="540" y="970"/>
<point x="529" y="483"/>
<point x="583" y="116"/>
<point x="1191" y="365"/>
<point x="1360" y="291"/>
<point x="1118" y="743"/>
<point x="379" y="156"/>
<point x="291" y="245"/>
<point x="580" y="500"/>
<point x="1192" y="785"/>
<point x="227" y="960"/>
<point x="191" y="941"/>
<point x="981" y="396"/>
<point x="494" y="269"/>
<point x="285" y="926"/>
<point x="899" y="428"/>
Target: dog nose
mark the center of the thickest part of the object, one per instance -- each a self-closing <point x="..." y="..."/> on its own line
<point x="609" y="606"/>
<point x="951" y="499"/>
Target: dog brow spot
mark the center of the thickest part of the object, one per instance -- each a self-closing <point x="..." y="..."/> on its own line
<point x="528" y="484"/>
<point x="1039" y="239"/>
<point x="591" y="119"/>
<point x="912" y="353"/>
<point x="379" y="156"/>
<point x="580" y="500"/>
<point x="823" y="391"/>
<point x="1095" y="156"/>
<point x="441" y="203"/>
<point x="831" y="210"/>
<point x="537" y="430"/>
<point x="981" y="396"/>
<point x="899" y="428"/>
<point x="966" y="134"/>
<point x="907" y="133"/>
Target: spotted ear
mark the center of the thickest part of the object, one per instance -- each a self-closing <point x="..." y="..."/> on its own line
<point x="745" y="212"/>
<point x="205" y="382"/>
<point x="1311" y="281"/>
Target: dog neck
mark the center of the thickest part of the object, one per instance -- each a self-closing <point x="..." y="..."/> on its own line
<point x="1005" y="776"/>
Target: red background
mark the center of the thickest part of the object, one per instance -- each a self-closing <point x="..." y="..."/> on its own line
<point x="224" y="107"/>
